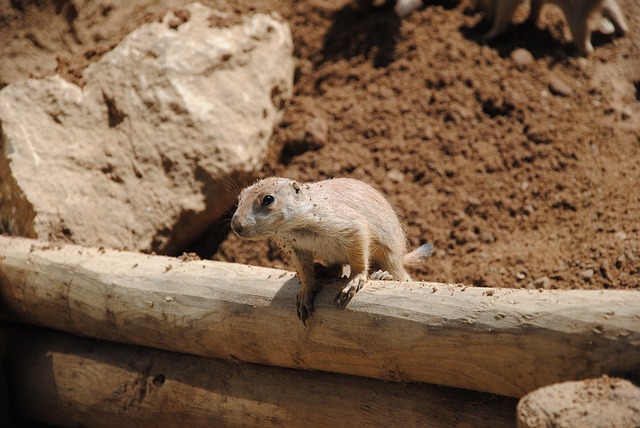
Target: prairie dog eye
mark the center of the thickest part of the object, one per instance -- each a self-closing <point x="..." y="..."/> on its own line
<point x="267" y="200"/>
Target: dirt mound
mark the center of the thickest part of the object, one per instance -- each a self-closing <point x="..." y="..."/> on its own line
<point x="521" y="172"/>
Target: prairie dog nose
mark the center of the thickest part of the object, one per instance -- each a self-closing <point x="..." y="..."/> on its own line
<point x="236" y="225"/>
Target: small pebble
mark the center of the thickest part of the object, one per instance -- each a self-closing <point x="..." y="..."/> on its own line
<point x="587" y="274"/>
<point x="559" y="87"/>
<point x="405" y="7"/>
<point x="620" y="236"/>
<point x="395" y="176"/>
<point x="582" y="63"/>
<point x="522" y="58"/>
<point x="542" y="282"/>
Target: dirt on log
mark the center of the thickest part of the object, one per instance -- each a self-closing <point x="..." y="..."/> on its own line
<point x="502" y="341"/>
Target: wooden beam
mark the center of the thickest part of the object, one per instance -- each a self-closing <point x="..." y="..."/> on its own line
<point x="64" y="380"/>
<point x="503" y="341"/>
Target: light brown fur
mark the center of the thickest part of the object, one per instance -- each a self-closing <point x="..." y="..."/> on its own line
<point x="332" y="222"/>
<point x="401" y="7"/>
<point x="576" y="12"/>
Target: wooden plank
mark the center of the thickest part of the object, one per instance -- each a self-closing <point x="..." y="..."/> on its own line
<point x="503" y="341"/>
<point x="64" y="380"/>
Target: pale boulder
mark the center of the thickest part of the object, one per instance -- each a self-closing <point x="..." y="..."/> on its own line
<point x="146" y="154"/>
<point x="601" y="402"/>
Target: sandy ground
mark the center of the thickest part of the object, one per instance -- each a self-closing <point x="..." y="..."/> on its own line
<point x="522" y="172"/>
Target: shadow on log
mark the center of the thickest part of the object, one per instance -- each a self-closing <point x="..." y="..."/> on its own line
<point x="502" y="341"/>
<point x="59" y="379"/>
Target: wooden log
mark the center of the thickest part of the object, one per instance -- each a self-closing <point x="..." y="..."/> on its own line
<point x="503" y="341"/>
<point x="64" y="380"/>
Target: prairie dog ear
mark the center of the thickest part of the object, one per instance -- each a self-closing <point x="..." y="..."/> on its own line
<point x="296" y="187"/>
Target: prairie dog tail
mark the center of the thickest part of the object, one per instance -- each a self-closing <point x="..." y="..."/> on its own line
<point x="418" y="255"/>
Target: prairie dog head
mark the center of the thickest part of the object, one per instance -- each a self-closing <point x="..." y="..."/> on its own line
<point x="267" y="207"/>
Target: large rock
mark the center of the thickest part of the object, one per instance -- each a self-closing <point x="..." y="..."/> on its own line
<point x="147" y="153"/>
<point x="601" y="402"/>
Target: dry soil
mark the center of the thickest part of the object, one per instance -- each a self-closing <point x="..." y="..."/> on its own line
<point x="517" y="159"/>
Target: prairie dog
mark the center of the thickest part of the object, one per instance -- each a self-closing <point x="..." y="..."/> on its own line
<point x="576" y="12"/>
<point x="402" y="8"/>
<point x="332" y="222"/>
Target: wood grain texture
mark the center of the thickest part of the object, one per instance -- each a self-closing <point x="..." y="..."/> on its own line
<point x="503" y="341"/>
<point x="64" y="380"/>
